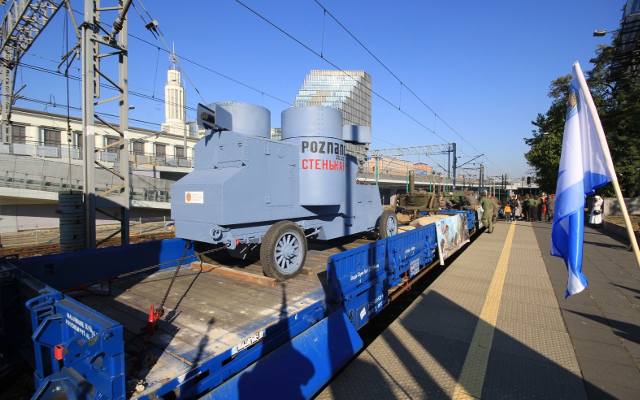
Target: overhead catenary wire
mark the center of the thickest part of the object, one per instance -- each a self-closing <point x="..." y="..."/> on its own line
<point x="265" y="93"/>
<point x="104" y="85"/>
<point x="402" y="83"/>
<point x="155" y="73"/>
<point x="65" y="31"/>
<point x="78" y="108"/>
<point x="215" y="72"/>
<point x="207" y="68"/>
<point x="258" y="90"/>
<point x="336" y="66"/>
<point x="160" y="37"/>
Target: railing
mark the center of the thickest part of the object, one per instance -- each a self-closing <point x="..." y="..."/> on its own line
<point x="54" y="176"/>
<point x="422" y="180"/>
<point x="41" y="150"/>
<point x="142" y="160"/>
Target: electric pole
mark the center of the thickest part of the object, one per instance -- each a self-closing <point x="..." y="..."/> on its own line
<point x="455" y="164"/>
<point x="94" y="39"/>
<point x="23" y="22"/>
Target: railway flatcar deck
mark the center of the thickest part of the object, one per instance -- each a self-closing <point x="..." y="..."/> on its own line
<point x="209" y="308"/>
<point x="92" y="318"/>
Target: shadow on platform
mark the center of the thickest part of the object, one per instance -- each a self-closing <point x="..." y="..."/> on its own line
<point x="623" y="329"/>
<point x="607" y="245"/>
<point x="633" y="290"/>
<point x="607" y="263"/>
<point x="429" y="362"/>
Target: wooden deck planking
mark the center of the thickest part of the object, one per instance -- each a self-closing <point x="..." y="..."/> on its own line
<point x="214" y="315"/>
<point x="207" y="298"/>
<point x="253" y="295"/>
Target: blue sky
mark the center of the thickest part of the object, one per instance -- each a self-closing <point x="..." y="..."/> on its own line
<point x="485" y="67"/>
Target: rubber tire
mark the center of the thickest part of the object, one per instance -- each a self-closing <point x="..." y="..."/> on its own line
<point x="382" y="224"/>
<point x="268" y="247"/>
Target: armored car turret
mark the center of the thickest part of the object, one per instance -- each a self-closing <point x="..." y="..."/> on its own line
<point x="247" y="190"/>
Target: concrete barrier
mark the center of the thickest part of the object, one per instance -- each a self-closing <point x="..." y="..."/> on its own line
<point x="612" y="207"/>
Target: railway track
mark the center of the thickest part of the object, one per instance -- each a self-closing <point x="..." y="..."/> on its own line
<point x="50" y="248"/>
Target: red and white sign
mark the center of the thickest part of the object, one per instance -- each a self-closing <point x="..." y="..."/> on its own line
<point x="320" y="164"/>
<point x="194" y="197"/>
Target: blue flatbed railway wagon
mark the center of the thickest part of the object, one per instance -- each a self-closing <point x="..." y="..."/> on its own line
<point x="87" y="318"/>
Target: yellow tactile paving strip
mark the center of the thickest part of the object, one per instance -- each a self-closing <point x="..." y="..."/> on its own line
<point x="488" y="327"/>
<point x="471" y="379"/>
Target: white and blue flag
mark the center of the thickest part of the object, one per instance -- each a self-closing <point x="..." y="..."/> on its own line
<point x="583" y="169"/>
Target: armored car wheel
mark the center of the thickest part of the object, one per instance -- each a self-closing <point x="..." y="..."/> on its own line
<point x="283" y="250"/>
<point x="387" y="225"/>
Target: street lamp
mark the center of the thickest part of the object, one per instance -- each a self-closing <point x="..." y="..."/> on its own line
<point x="603" y="32"/>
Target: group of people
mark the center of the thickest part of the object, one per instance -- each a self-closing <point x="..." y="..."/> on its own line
<point x="530" y="207"/>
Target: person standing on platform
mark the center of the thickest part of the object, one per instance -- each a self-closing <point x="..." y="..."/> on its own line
<point x="543" y="207"/>
<point x="550" y="203"/>
<point x="595" y="217"/>
<point x="507" y="211"/>
<point x="488" y="210"/>
<point x="533" y="209"/>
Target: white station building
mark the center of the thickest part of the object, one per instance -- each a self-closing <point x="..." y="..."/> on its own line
<point x="45" y="157"/>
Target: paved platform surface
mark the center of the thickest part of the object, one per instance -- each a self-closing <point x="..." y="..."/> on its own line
<point x="495" y="325"/>
<point x="604" y="321"/>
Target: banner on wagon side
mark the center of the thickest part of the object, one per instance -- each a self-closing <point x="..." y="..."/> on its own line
<point x="479" y="212"/>
<point x="452" y="234"/>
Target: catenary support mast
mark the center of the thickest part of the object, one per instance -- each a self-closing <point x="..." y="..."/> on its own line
<point x="99" y="46"/>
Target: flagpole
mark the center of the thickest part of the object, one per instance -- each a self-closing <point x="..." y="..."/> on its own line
<point x="603" y="142"/>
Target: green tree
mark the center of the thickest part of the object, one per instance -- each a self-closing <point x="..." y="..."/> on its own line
<point x="615" y="88"/>
<point x="546" y="144"/>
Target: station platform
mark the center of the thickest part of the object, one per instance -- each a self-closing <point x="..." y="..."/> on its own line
<point x="495" y="325"/>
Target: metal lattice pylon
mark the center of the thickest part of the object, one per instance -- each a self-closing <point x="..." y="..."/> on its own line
<point x="100" y="44"/>
<point x="23" y="22"/>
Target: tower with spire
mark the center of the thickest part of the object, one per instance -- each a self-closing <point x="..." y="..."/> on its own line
<point x="174" y="99"/>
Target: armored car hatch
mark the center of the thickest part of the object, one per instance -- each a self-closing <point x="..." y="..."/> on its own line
<point x="248" y="192"/>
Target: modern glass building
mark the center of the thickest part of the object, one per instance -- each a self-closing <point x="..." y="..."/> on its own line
<point x="276" y="133"/>
<point x="347" y="91"/>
